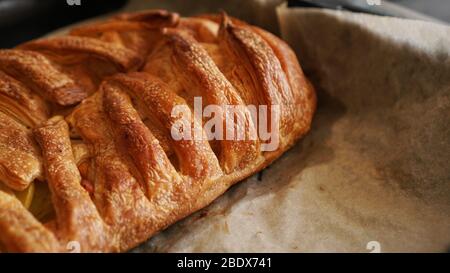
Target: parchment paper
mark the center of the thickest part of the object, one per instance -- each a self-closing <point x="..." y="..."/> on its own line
<point x="375" y="166"/>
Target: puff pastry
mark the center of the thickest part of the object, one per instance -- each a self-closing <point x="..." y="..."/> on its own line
<point x="89" y="114"/>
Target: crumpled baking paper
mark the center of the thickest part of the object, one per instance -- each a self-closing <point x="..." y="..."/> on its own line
<point x="373" y="174"/>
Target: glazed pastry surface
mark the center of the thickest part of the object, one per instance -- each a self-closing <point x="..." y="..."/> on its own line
<point x="90" y="116"/>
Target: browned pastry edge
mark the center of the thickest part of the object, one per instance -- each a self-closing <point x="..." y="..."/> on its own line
<point x="129" y="187"/>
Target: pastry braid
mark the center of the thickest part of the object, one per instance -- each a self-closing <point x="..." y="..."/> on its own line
<point x="90" y="114"/>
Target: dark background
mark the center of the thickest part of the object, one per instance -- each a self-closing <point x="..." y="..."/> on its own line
<point x="23" y="20"/>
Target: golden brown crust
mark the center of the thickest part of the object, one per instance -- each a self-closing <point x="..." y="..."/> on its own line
<point x="196" y="157"/>
<point x="152" y="19"/>
<point x="157" y="18"/>
<point x="271" y="85"/>
<point x="77" y="218"/>
<point x="124" y="175"/>
<point x="20" y="231"/>
<point x="21" y="103"/>
<point x="204" y="79"/>
<point x="20" y="161"/>
<point x="124" y="58"/>
<point x="139" y="143"/>
<point x="41" y="75"/>
<point x="303" y="94"/>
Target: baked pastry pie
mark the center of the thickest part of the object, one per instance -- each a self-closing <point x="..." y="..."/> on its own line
<point x="88" y="153"/>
